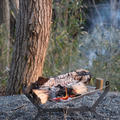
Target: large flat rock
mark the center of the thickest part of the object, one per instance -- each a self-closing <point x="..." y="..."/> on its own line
<point x="19" y="107"/>
<point x="108" y="109"/>
<point x="16" y="107"/>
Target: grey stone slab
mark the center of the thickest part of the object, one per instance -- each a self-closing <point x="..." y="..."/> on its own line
<point x="16" y="107"/>
<point x="108" y="109"/>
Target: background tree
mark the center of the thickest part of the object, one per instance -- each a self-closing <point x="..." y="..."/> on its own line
<point x="32" y="36"/>
<point x="14" y="7"/>
<point x="5" y="33"/>
<point x="4" y="42"/>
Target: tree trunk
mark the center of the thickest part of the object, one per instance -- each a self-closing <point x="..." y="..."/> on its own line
<point x="1" y="11"/>
<point x="14" y="6"/>
<point x="32" y="36"/>
<point x="5" y="23"/>
<point x="16" y="3"/>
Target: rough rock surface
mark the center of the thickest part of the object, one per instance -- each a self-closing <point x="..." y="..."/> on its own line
<point x="16" y="107"/>
<point x="108" y="109"/>
<point x="20" y="108"/>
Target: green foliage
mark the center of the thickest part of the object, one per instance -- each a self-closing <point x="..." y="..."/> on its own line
<point x="68" y="23"/>
<point x="71" y="47"/>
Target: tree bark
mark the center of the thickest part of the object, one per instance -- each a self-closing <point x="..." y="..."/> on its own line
<point x="32" y="36"/>
<point x="1" y="11"/>
<point x="14" y="5"/>
<point x="17" y="4"/>
<point x="5" y="22"/>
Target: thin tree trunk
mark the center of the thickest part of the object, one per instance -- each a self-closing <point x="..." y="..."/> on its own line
<point x="1" y="11"/>
<point x="17" y="4"/>
<point x="32" y="36"/>
<point x="5" y="21"/>
<point x="14" y="5"/>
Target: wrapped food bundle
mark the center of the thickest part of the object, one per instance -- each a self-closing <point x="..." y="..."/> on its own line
<point x="61" y="87"/>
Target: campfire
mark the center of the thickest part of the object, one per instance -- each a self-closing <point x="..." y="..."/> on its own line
<point x="63" y="87"/>
<point x="60" y="92"/>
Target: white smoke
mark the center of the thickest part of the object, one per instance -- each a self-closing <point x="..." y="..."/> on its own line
<point x="104" y="34"/>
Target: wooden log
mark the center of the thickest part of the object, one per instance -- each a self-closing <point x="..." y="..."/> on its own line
<point x="42" y="95"/>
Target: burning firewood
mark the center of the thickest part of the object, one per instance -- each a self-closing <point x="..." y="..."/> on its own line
<point x="42" y="95"/>
<point x="62" y="86"/>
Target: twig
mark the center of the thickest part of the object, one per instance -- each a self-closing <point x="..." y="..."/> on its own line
<point x="18" y="108"/>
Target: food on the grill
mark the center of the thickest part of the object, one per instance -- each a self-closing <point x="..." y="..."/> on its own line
<point x="79" y="88"/>
<point x="62" y="87"/>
